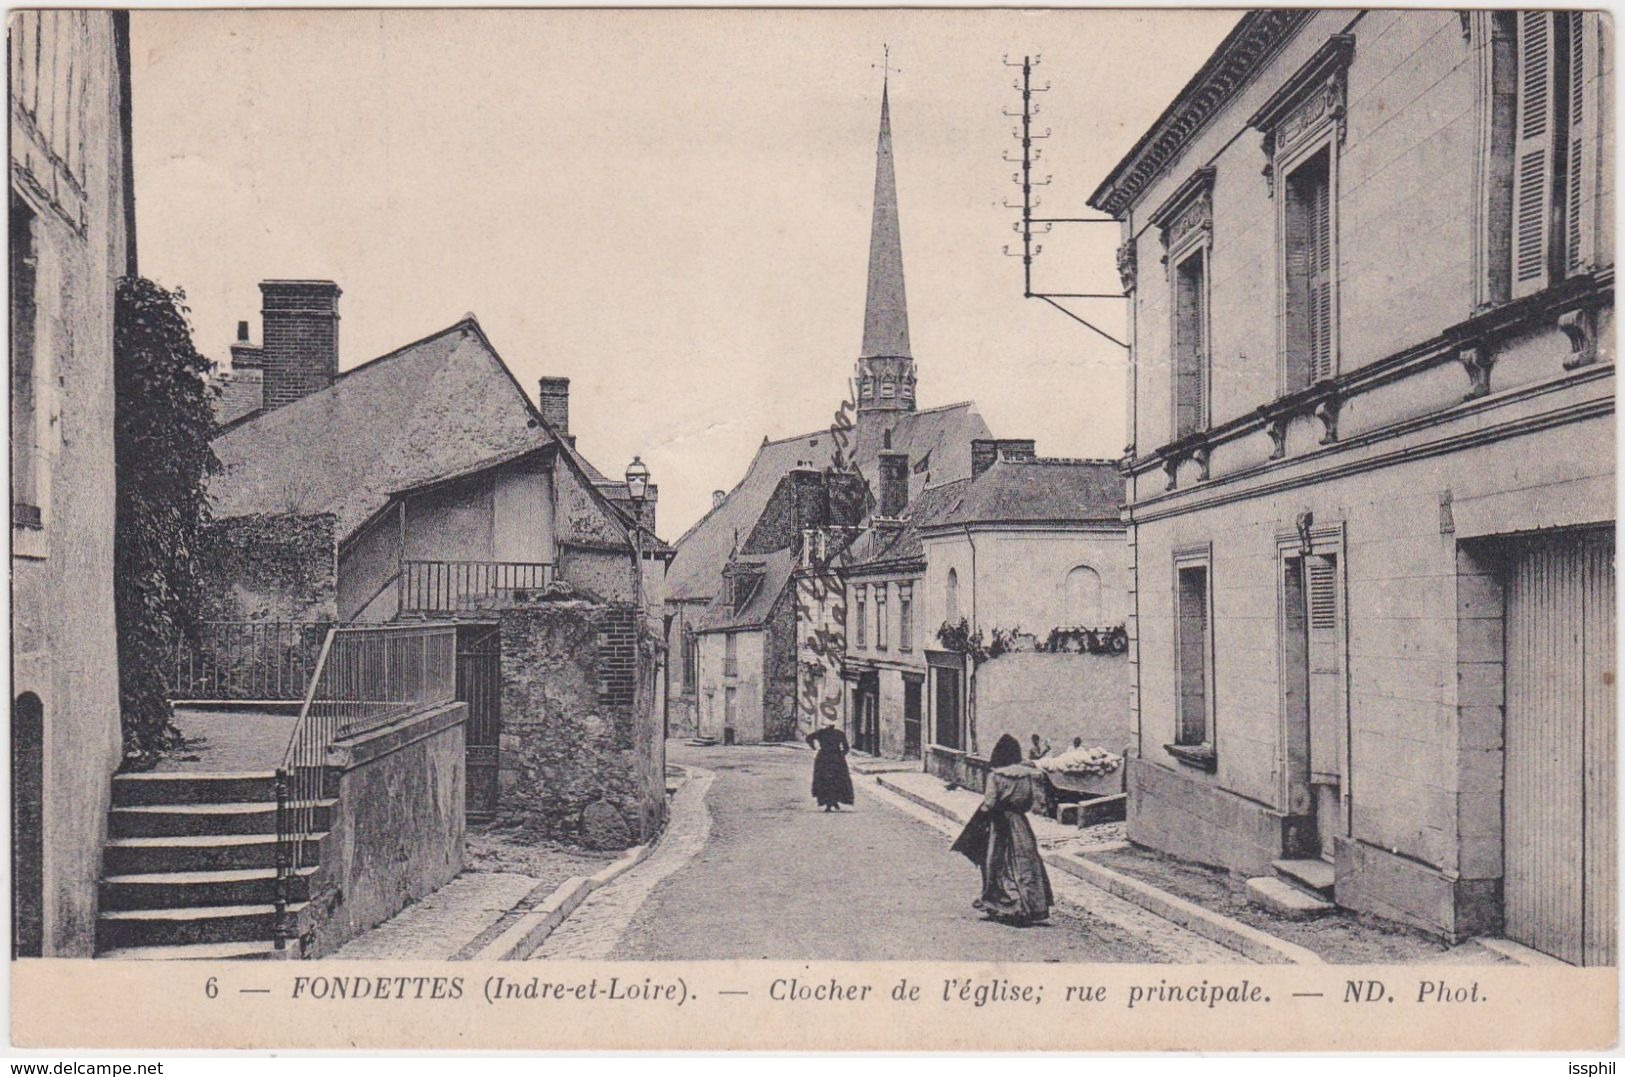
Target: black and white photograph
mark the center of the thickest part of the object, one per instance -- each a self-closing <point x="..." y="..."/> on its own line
<point x="744" y="501"/>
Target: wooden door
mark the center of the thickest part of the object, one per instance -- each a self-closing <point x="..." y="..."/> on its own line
<point x="1560" y="826"/>
<point x="911" y="719"/>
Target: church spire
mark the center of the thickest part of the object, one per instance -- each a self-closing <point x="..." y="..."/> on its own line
<point x="885" y="367"/>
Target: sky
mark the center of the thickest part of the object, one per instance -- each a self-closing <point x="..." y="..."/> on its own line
<point x="670" y="208"/>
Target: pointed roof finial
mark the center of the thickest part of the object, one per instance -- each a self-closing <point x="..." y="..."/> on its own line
<point x="885" y="319"/>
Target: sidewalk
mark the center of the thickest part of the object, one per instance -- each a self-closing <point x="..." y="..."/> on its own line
<point x="1205" y="900"/>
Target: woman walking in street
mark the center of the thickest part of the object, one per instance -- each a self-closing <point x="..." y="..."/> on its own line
<point x="832" y="784"/>
<point x="998" y="838"/>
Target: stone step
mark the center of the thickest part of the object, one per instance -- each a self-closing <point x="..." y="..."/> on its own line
<point x="254" y="950"/>
<point x="124" y="928"/>
<point x="180" y="889"/>
<point x="238" y="817"/>
<point x="1313" y="875"/>
<point x="206" y="852"/>
<point x="1284" y="899"/>
<point x="189" y="787"/>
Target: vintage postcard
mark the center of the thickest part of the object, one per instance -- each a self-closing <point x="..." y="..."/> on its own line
<point x="989" y="529"/>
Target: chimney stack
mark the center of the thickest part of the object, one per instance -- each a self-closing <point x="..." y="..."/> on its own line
<point x="893" y="483"/>
<point x="554" y="395"/>
<point x="242" y="332"/>
<point x="985" y="452"/>
<point x="718" y="497"/>
<point x="299" y="338"/>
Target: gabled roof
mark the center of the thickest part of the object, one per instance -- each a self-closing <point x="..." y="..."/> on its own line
<point x="776" y="569"/>
<point x="1050" y="491"/>
<point x="937" y="438"/>
<point x="438" y="408"/>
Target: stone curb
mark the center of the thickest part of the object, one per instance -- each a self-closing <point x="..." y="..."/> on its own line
<point x="1246" y="940"/>
<point x="524" y="935"/>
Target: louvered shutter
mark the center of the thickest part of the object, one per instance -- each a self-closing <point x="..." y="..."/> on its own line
<point x="1320" y="279"/>
<point x="1325" y="670"/>
<point x="1533" y="155"/>
<point x="1578" y="194"/>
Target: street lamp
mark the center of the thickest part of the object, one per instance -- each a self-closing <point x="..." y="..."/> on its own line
<point x="637" y="481"/>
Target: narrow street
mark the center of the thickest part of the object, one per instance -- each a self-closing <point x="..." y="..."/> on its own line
<point x="751" y="868"/>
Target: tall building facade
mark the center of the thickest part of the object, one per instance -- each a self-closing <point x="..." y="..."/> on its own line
<point x="71" y="238"/>
<point x="1371" y="471"/>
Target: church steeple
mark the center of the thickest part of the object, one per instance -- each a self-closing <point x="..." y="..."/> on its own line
<point x="885" y="367"/>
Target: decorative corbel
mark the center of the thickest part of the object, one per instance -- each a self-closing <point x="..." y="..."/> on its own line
<point x="1200" y="454"/>
<point x="1478" y="361"/>
<point x="1580" y="326"/>
<point x="1170" y="467"/>
<point x="1127" y="267"/>
<point x="1326" y="412"/>
<point x="1275" y="427"/>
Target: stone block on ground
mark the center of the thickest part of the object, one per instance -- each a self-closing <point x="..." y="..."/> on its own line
<point x="1284" y="899"/>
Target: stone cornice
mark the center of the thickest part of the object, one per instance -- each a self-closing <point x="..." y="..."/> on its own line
<point x="1256" y="38"/>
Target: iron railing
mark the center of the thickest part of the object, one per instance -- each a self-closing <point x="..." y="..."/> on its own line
<point x="365" y="678"/>
<point x="452" y="586"/>
<point x="247" y="660"/>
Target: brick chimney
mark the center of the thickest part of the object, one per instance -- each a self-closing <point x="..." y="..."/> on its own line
<point x="985" y="452"/>
<point x="554" y="394"/>
<point x="299" y="339"/>
<point x="893" y="483"/>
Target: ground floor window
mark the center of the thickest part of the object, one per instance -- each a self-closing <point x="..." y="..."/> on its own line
<point x="948" y="708"/>
<point x="1193" y="653"/>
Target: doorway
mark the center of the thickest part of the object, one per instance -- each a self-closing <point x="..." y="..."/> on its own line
<point x="28" y="826"/>
<point x="1314" y="665"/>
<point x="866" y="734"/>
<point x="479" y="684"/>
<point x="911" y="717"/>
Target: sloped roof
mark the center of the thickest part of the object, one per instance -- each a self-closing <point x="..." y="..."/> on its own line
<point x="886" y="544"/>
<point x="1038" y="491"/>
<point x="937" y="437"/>
<point x="777" y="568"/>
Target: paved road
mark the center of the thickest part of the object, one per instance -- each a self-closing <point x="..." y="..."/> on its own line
<point x="752" y="868"/>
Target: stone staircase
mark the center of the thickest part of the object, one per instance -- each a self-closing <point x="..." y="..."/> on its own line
<point x="189" y="869"/>
<point x="1299" y="888"/>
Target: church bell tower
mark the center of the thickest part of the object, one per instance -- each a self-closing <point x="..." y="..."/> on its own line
<point x="885" y="373"/>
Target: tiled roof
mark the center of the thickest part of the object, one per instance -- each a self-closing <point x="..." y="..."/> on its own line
<point x="1039" y="491"/>
<point x="937" y="437"/>
<point x="889" y="543"/>
<point x="776" y="571"/>
<point x="441" y="407"/>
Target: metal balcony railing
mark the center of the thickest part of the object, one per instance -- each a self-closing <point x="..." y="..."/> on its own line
<point x="456" y="586"/>
<point x="247" y="660"/>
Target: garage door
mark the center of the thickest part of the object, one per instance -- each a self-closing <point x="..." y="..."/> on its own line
<point x="1560" y="780"/>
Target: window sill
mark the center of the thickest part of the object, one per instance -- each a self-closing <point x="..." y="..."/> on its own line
<point x="1200" y="756"/>
<point x="29" y="542"/>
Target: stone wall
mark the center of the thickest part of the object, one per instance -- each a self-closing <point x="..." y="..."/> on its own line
<point x="582" y="758"/>
<point x="1057" y="696"/>
<point x="265" y="567"/>
<point x="780" y="672"/>
<point x="397" y="832"/>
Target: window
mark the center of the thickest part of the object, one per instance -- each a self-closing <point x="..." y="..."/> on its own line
<point x="730" y="655"/>
<point x="1311" y="330"/>
<point x="951" y="605"/>
<point x="730" y="705"/>
<point x="947" y="709"/>
<point x="905" y="616"/>
<point x="1193" y="644"/>
<point x="25" y="499"/>
<point x="691" y="659"/>
<point x="1191" y="345"/>
<point x="882" y="625"/>
<point x="1083" y="598"/>
<point x="1551" y="189"/>
<point x="862" y="609"/>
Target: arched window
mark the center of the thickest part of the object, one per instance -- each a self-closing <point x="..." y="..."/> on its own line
<point x="952" y="605"/>
<point x="1083" y="597"/>
<point x="28" y="823"/>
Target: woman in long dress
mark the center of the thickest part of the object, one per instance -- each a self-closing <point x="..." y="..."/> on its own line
<point x="1015" y="886"/>
<point x="832" y="784"/>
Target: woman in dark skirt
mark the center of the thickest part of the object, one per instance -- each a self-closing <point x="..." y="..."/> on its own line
<point x="832" y="785"/>
<point x="998" y="838"/>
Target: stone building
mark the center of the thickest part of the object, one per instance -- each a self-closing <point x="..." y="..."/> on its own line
<point x="72" y="237"/>
<point x="1371" y="466"/>
<point x="883" y="411"/>
<point x="1030" y="556"/>
<point x="425" y="484"/>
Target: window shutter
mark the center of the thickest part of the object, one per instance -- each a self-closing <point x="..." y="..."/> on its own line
<point x="1533" y="156"/>
<point x="1322" y="598"/>
<point x="1199" y="364"/>
<point x="1320" y="280"/>
<point x="1578" y="194"/>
